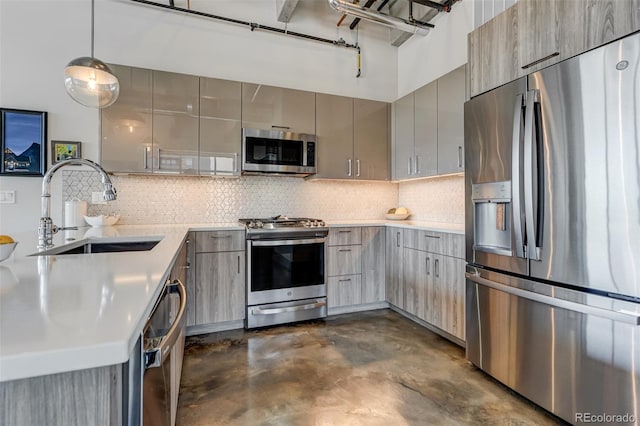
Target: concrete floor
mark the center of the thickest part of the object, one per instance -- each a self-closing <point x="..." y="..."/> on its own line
<point x="370" y="368"/>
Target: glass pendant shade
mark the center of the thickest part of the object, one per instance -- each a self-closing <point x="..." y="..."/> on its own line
<point x="90" y="82"/>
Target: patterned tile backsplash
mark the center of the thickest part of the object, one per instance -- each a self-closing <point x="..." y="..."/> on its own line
<point x="173" y="199"/>
<point x="439" y="199"/>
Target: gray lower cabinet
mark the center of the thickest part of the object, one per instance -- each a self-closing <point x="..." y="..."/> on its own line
<point x="356" y="267"/>
<point x="219" y="277"/>
<point x="269" y="107"/>
<point x="373" y="264"/>
<point x="433" y="278"/>
<point x="395" y="291"/>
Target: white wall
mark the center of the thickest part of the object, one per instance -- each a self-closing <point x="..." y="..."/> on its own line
<point x="39" y="37"/>
<point x="424" y="59"/>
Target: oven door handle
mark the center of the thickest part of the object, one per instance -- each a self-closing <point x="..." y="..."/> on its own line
<point x="274" y="311"/>
<point x="272" y="243"/>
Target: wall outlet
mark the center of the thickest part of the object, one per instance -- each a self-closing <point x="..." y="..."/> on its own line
<point x="7" y="197"/>
<point x="96" y="198"/>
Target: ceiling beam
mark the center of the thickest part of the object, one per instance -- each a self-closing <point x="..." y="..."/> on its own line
<point x="285" y="9"/>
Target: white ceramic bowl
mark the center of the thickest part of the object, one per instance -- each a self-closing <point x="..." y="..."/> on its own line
<point x="102" y="220"/>
<point x="6" y="250"/>
<point x="395" y="216"/>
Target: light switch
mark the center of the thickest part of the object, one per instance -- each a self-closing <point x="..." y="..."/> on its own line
<point x="7" y="197"/>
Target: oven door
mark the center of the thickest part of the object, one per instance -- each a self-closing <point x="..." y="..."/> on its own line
<point x="284" y="270"/>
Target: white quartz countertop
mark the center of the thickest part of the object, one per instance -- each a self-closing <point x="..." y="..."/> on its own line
<point x="75" y="311"/>
<point x="69" y="312"/>
<point x="453" y="228"/>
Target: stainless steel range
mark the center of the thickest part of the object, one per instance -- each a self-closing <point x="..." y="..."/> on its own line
<point x="286" y="270"/>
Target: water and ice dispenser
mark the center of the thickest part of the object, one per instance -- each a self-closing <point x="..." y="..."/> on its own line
<point x="492" y="206"/>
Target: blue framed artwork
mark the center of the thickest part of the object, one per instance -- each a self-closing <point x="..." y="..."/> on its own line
<point x="23" y="137"/>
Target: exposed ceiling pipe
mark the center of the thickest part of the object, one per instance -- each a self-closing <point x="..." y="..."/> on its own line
<point x="380" y="18"/>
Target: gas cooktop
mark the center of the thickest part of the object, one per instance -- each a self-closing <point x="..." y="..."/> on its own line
<point x="283" y="226"/>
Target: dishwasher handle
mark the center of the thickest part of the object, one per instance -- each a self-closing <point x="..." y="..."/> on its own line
<point x="153" y="357"/>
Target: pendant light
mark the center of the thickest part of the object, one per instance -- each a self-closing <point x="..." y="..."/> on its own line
<point x="89" y="81"/>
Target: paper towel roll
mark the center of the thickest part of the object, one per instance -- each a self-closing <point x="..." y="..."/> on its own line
<point x="74" y="212"/>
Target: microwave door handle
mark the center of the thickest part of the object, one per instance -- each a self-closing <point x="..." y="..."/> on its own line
<point x="530" y="162"/>
<point x="516" y="176"/>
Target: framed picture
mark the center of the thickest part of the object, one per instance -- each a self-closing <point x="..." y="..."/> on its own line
<point x="65" y="150"/>
<point x="23" y="137"/>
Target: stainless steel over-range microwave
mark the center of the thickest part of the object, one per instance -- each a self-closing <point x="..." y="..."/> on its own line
<point x="278" y="151"/>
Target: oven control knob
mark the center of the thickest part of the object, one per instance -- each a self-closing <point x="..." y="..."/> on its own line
<point x="307" y="224"/>
<point x="321" y="223"/>
<point x="258" y="224"/>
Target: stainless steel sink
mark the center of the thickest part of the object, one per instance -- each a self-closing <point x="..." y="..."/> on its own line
<point x="111" y="245"/>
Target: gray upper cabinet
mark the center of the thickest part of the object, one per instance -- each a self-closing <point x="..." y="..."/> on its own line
<point x="533" y="34"/>
<point x="220" y="127"/>
<point x="353" y="138"/>
<point x="371" y="139"/>
<point x="429" y="129"/>
<point x="175" y="123"/>
<point x="126" y="125"/>
<point x="268" y="107"/>
<point x="451" y="97"/>
<point x="403" y="137"/>
<point x="425" y="159"/>
<point x="334" y="133"/>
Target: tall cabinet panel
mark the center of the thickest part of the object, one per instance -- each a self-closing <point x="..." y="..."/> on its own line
<point x="220" y="127"/>
<point x="267" y="107"/>
<point x="373" y="264"/>
<point x="426" y="131"/>
<point x="451" y="97"/>
<point x="334" y="132"/>
<point x="395" y="292"/>
<point x="403" y="137"/>
<point x="126" y="125"/>
<point x="371" y="139"/>
<point x="175" y="123"/>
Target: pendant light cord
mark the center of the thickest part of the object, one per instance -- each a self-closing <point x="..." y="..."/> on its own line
<point x="92" y="18"/>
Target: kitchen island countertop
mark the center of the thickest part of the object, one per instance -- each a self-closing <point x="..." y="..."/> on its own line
<point x="70" y="312"/>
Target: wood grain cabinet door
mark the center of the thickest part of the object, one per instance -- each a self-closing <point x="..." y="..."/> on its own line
<point x="371" y="140"/>
<point x="394" y="267"/>
<point x="451" y="286"/>
<point x="220" y="289"/>
<point x="415" y="281"/>
<point x="403" y="138"/>
<point x="373" y="264"/>
<point x="344" y="290"/>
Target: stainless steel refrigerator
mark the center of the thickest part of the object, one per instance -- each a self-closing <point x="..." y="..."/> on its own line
<point x="552" y="170"/>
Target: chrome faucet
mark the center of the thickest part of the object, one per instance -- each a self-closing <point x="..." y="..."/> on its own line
<point x="46" y="228"/>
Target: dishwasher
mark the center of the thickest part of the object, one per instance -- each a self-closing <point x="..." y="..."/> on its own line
<point x="163" y="339"/>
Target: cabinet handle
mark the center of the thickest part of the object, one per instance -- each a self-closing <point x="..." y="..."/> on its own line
<point x="436" y="268"/>
<point x="344" y="280"/>
<point x="358" y="168"/>
<point x="459" y="157"/>
<point x="235" y="162"/>
<point x="398" y="239"/>
<point x="187" y="266"/>
<point x="427" y="260"/>
<point x="349" y="167"/>
<point x="409" y="167"/>
<point x="344" y="250"/>
<point x="238" y="264"/>
<point x="219" y="236"/>
<point x="417" y="164"/>
<point x="281" y="127"/>
<point x="546" y="58"/>
<point x="145" y="159"/>
<point x="432" y="236"/>
<point x="158" y="157"/>
<point x="344" y="232"/>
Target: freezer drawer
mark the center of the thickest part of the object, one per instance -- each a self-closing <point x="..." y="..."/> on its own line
<point x="568" y="356"/>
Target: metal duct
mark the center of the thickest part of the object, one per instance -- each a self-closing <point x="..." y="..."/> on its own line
<point x="379" y="18"/>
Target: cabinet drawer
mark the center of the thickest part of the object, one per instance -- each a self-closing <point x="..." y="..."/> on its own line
<point x="344" y="290"/>
<point x="423" y="240"/>
<point x="345" y="236"/>
<point x="344" y="260"/>
<point x="214" y="241"/>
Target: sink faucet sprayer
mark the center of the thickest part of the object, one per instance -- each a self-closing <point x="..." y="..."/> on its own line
<point x="46" y="228"/>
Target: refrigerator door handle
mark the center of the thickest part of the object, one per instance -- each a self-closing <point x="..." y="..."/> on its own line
<point x="516" y="184"/>
<point x="530" y="162"/>
<point x="622" y="316"/>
